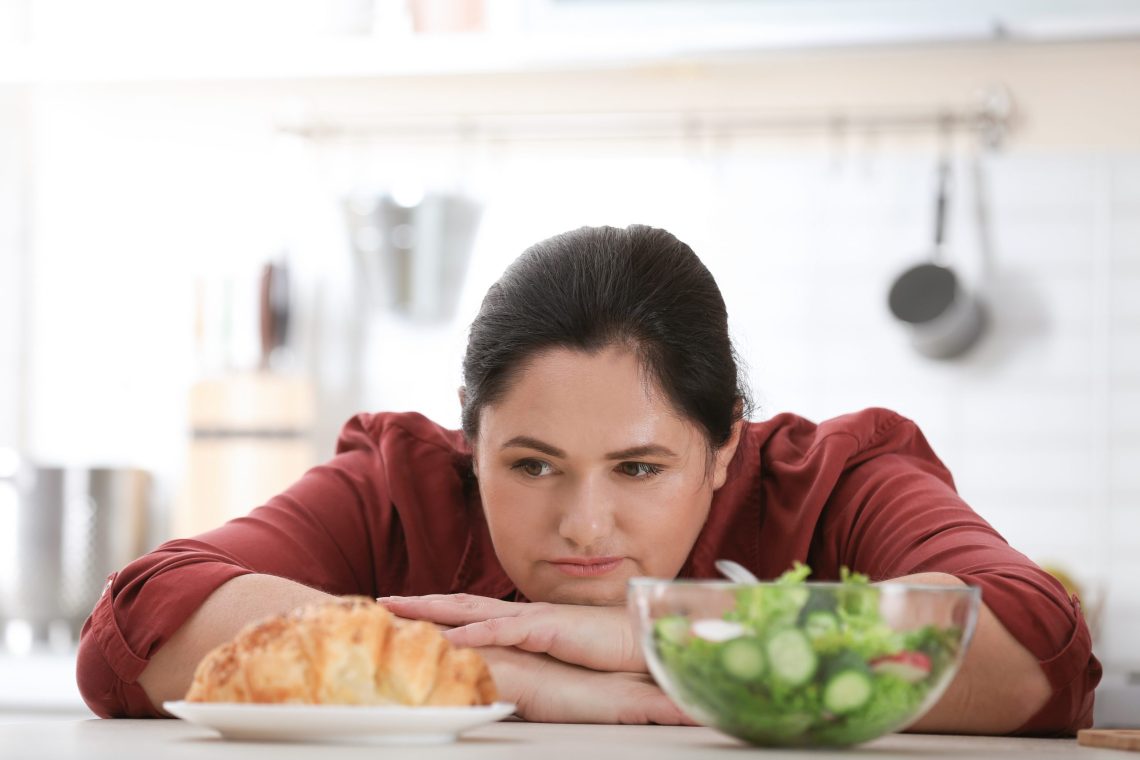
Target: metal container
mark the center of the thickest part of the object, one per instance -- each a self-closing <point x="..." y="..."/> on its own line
<point x="66" y="529"/>
<point x="412" y="252"/>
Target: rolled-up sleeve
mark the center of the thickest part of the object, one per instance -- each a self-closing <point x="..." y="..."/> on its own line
<point x="107" y="665"/>
<point x="896" y="512"/>
<point x="321" y="532"/>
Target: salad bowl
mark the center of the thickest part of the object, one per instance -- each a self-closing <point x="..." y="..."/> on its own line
<point x="793" y="663"/>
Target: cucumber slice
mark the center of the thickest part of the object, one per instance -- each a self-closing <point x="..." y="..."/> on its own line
<point x="673" y="629"/>
<point x="743" y="659"/>
<point x="820" y="623"/>
<point x="819" y="600"/>
<point x="797" y="597"/>
<point x="847" y="691"/>
<point x="790" y="657"/>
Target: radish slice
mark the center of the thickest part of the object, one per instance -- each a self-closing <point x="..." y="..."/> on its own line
<point x="911" y="667"/>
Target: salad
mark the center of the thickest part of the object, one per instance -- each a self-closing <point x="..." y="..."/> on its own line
<point x="794" y="664"/>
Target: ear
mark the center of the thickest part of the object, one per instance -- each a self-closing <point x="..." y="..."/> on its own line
<point x="462" y="397"/>
<point x="725" y="453"/>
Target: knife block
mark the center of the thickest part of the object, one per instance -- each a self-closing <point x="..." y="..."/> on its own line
<point x="250" y="439"/>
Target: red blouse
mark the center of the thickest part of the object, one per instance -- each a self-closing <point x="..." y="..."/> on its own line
<point x="397" y="512"/>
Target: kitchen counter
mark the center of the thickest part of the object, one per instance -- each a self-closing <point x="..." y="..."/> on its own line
<point x="174" y="739"/>
<point x="39" y="682"/>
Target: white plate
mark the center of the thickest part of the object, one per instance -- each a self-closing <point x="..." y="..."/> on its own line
<point x="332" y="723"/>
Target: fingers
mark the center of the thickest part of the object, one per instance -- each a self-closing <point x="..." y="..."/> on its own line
<point x="578" y="642"/>
<point x="660" y="710"/>
<point x="647" y="703"/>
<point x="529" y="635"/>
<point x="593" y="637"/>
<point x="639" y="700"/>
<point x="451" y="609"/>
<point x="663" y="711"/>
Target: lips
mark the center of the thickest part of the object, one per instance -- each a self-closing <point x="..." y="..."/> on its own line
<point x="587" y="567"/>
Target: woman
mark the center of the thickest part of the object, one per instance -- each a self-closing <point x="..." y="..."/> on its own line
<point x="604" y="437"/>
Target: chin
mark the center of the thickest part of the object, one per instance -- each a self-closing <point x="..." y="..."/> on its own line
<point x="591" y="593"/>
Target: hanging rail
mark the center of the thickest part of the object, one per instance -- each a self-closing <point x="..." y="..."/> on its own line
<point x="989" y="121"/>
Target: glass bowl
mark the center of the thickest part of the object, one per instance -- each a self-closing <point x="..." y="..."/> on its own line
<point x="803" y="664"/>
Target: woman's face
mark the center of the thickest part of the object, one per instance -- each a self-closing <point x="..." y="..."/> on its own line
<point x="590" y="477"/>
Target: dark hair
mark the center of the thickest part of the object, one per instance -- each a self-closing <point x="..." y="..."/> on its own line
<point x="597" y="286"/>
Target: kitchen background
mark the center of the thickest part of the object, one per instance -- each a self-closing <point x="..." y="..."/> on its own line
<point x="225" y="227"/>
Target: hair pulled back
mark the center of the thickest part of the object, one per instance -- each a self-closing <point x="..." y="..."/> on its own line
<point x="594" y="287"/>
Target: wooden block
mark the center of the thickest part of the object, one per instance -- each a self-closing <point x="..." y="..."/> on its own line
<point x="252" y="401"/>
<point x="1110" y="738"/>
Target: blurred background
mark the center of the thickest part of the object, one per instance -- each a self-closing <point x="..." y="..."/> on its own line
<point x="225" y="227"/>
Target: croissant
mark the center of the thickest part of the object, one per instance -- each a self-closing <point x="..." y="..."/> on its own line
<point x="350" y="651"/>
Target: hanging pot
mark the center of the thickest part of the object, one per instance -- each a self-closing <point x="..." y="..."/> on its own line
<point x="943" y="317"/>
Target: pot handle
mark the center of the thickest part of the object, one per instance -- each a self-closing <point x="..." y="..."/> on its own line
<point x="940" y="205"/>
<point x="942" y="192"/>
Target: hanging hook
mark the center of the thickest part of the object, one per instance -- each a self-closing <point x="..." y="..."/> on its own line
<point x="995" y="116"/>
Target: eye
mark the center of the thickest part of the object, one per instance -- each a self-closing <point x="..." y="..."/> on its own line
<point x="640" y="470"/>
<point x="532" y="468"/>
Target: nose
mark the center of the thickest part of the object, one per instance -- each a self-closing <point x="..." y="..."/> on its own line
<point x="587" y="515"/>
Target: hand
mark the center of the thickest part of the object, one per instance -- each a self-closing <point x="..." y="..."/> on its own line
<point x="547" y="690"/>
<point x="600" y="638"/>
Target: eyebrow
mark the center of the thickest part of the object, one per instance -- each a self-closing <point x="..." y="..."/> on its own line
<point x="649" y="449"/>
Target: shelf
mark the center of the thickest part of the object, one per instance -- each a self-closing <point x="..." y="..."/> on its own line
<point x="128" y="41"/>
<point x="350" y="57"/>
<point x="255" y="58"/>
<point x="360" y="57"/>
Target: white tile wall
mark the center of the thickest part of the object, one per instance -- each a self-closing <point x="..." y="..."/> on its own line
<point x="1126" y="240"/>
<point x="12" y="178"/>
<point x="1126" y="183"/>
<point x="1124" y="463"/>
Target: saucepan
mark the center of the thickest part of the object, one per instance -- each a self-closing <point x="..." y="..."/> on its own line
<point x="943" y="316"/>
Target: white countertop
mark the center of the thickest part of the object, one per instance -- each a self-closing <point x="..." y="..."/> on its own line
<point x="172" y="740"/>
<point x="39" y="682"/>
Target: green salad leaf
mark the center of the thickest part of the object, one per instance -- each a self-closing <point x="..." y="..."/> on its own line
<point x="780" y="605"/>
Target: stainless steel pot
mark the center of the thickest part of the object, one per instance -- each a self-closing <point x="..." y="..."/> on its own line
<point x="67" y="529"/>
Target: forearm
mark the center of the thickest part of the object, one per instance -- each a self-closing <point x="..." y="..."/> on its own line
<point x="999" y="686"/>
<point x="233" y="605"/>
